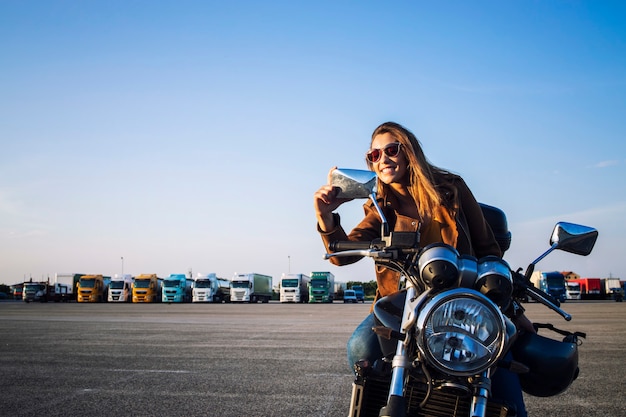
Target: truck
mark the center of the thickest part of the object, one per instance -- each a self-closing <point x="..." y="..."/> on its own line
<point x="44" y="291"/>
<point x="572" y="290"/>
<point x="552" y="283"/>
<point x="359" y="293"/>
<point x="176" y="289"/>
<point x="147" y="288"/>
<point x="322" y="287"/>
<point x="613" y="289"/>
<point x="69" y="280"/>
<point x="209" y="288"/>
<point x="349" y="296"/>
<point x="294" y="288"/>
<point x="590" y="288"/>
<point x="251" y="288"/>
<point x="121" y="288"/>
<point x="93" y="288"/>
<point x="17" y="291"/>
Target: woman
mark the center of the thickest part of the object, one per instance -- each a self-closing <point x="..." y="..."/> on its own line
<point x="415" y="196"/>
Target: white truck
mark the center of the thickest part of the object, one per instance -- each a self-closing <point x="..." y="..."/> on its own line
<point x="294" y="288"/>
<point x="209" y="288"/>
<point x="251" y="288"/>
<point x="121" y="289"/>
<point x="572" y="290"/>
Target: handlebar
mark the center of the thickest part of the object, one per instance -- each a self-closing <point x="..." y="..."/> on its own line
<point x="340" y="246"/>
<point x="348" y="248"/>
<point x="536" y="294"/>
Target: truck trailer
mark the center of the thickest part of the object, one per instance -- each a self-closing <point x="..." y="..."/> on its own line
<point x="209" y="288"/>
<point x="176" y="289"/>
<point x="121" y="289"/>
<point x="613" y="289"/>
<point x="322" y="287"/>
<point x="69" y="280"/>
<point x="147" y="288"/>
<point x="93" y="288"/>
<point x="251" y="288"/>
<point x="294" y="288"/>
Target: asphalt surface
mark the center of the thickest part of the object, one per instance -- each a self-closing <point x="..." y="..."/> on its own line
<point x="283" y="360"/>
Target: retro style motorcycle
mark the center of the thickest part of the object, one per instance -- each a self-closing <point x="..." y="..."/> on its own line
<point x="445" y="333"/>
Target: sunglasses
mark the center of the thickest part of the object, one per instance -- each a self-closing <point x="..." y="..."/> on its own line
<point x="391" y="150"/>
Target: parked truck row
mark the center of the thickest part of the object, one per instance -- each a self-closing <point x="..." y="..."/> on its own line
<point x="319" y="287"/>
<point x="599" y="288"/>
<point x="567" y="286"/>
<point x="150" y="288"/>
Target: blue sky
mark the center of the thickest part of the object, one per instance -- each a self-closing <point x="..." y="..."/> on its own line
<point x="192" y="135"/>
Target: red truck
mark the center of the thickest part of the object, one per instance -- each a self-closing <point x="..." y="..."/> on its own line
<point x="590" y="288"/>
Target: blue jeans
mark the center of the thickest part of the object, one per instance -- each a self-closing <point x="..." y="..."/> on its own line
<point x="364" y="344"/>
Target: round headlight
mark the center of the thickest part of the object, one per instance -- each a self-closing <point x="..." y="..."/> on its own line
<point x="461" y="332"/>
<point x="438" y="266"/>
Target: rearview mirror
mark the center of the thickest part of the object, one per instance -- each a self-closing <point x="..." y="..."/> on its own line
<point x="359" y="183"/>
<point x="573" y="238"/>
<point x="354" y="183"/>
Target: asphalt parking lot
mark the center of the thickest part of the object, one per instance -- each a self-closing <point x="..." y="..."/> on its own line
<point x="69" y="359"/>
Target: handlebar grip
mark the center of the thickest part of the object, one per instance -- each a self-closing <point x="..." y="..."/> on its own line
<point x="343" y="245"/>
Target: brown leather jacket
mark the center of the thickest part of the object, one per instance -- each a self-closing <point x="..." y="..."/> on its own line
<point x="459" y="223"/>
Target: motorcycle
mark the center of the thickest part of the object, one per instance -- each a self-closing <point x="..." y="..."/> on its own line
<point x="445" y="333"/>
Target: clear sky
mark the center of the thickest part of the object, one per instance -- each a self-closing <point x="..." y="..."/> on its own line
<point x="192" y="134"/>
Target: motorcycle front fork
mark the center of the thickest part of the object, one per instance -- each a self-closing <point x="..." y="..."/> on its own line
<point x="396" y="403"/>
<point x="482" y="393"/>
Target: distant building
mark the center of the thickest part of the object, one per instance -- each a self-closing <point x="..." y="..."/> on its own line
<point x="570" y="275"/>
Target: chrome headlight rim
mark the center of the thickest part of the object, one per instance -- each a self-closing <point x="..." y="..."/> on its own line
<point x="499" y="334"/>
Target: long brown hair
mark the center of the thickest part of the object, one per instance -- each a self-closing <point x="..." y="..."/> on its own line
<point x="423" y="176"/>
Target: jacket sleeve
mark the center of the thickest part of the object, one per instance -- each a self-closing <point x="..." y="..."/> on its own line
<point x="367" y="230"/>
<point x="482" y="239"/>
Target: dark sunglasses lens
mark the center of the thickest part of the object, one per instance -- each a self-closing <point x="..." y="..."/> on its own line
<point x="392" y="150"/>
<point x="373" y="155"/>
